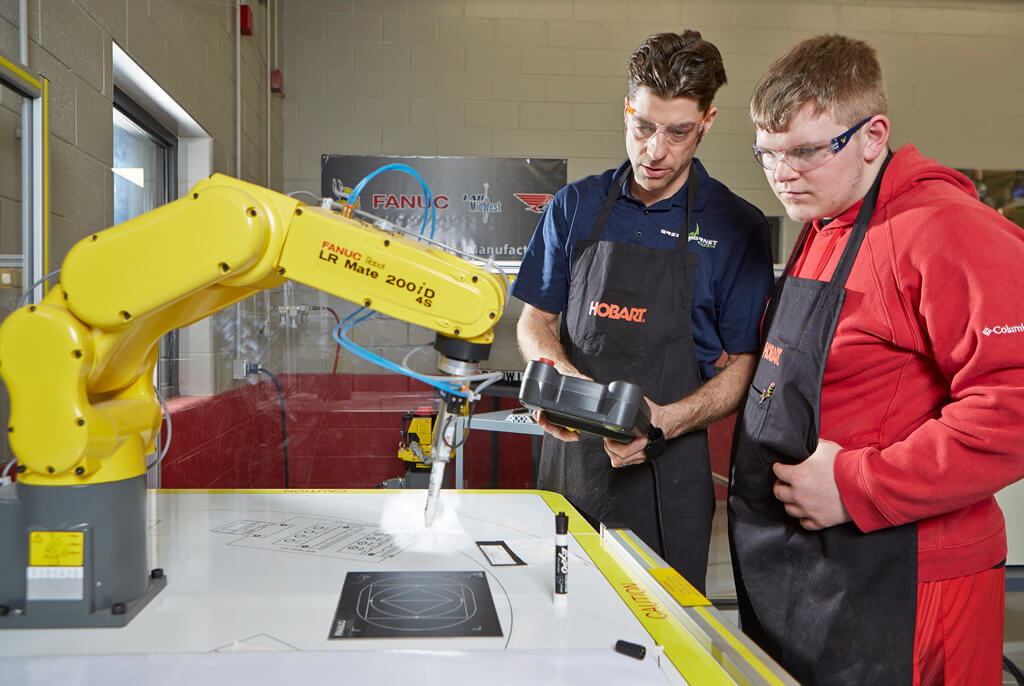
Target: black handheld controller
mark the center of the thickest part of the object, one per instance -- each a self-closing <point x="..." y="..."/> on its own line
<point x="616" y="410"/>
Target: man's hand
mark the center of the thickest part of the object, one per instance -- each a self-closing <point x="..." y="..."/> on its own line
<point x="809" y="491"/>
<point x="634" y="452"/>
<point x="558" y="432"/>
<point x="661" y="417"/>
<point x="537" y="333"/>
<point x="626" y="454"/>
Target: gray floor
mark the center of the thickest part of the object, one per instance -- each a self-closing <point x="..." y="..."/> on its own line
<point x="720" y="585"/>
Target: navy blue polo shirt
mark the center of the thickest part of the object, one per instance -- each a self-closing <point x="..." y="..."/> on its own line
<point x="734" y="275"/>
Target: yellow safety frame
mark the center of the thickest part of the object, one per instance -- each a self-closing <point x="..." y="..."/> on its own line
<point x="35" y="188"/>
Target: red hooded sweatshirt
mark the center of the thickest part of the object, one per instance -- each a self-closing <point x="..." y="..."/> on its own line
<point x="924" y="384"/>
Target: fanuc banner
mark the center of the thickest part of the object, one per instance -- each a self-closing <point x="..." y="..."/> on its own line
<point x="485" y="206"/>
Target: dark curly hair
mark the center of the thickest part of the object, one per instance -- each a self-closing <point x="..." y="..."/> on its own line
<point x="677" y="66"/>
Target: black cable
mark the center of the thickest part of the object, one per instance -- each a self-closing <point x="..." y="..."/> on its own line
<point x="654" y="448"/>
<point x="1008" y="666"/>
<point x="657" y="507"/>
<point x="284" y="423"/>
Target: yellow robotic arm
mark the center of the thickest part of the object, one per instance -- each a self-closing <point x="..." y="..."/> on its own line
<point x="79" y="365"/>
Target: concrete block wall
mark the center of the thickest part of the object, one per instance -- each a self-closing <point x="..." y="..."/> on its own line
<point x="523" y="77"/>
<point x="188" y="48"/>
<point x="531" y="78"/>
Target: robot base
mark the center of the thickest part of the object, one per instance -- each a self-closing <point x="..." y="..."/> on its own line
<point x="74" y="556"/>
<point x="53" y="614"/>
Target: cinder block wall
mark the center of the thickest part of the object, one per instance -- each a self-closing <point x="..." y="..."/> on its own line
<point x="188" y="47"/>
<point x="547" y="78"/>
<point x="532" y="77"/>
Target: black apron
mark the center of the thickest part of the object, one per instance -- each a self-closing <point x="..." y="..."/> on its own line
<point x="835" y="606"/>
<point x="658" y="354"/>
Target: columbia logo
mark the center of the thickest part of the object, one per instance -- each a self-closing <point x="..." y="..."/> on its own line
<point x="1004" y="329"/>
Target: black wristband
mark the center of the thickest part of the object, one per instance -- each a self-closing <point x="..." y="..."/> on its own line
<point x="655" y="442"/>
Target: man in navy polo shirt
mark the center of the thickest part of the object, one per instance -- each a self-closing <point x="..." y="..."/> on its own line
<point x="649" y="273"/>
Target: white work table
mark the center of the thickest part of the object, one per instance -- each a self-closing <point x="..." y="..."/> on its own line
<point x="254" y="580"/>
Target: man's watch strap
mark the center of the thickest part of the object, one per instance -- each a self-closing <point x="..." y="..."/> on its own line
<point x="655" y="442"/>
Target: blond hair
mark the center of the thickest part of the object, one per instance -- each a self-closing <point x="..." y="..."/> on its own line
<point x="840" y="75"/>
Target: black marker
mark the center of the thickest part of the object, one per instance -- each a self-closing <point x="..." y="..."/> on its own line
<point x="561" y="554"/>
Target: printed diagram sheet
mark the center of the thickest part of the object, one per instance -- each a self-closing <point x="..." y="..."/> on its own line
<point x="421" y="604"/>
<point x="345" y="539"/>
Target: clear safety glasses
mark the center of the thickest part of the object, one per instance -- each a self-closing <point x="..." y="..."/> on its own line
<point x="805" y="158"/>
<point x="676" y="134"/>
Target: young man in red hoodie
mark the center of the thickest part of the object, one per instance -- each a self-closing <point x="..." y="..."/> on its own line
<point x="888" y="404"/>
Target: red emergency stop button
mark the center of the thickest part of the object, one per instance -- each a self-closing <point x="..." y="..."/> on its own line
<point x="550" y="363"/>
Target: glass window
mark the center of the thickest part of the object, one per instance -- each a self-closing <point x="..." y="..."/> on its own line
<point x="11" y="254"/>
<point x="144" y="158"/>
<point x="140" y="169"/>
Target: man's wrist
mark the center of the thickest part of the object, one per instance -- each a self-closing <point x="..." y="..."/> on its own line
<point x="672" y="419"/>
<point x="687" y="417"/>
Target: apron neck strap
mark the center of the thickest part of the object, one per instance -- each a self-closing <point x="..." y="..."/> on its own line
<point x="860" y="227"/>
<point x="692" y="184"/>
<point x="609" y="201"/>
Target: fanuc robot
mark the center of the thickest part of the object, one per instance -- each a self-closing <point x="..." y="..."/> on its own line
<point x="79" y="369"/>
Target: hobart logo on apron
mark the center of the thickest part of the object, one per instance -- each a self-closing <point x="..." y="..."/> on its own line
<point x="613" y="311"/>
<point x="772" y="353"/>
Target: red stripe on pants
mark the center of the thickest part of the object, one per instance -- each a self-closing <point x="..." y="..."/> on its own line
<point x="959" y="633"/>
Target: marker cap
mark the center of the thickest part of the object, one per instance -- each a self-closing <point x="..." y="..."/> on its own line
<point x="634" y="650"/>
<point x="561" y="523"/>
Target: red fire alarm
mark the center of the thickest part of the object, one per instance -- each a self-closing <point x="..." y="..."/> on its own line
<point x="276" y="81"/>
<point x="245" y="20"/>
